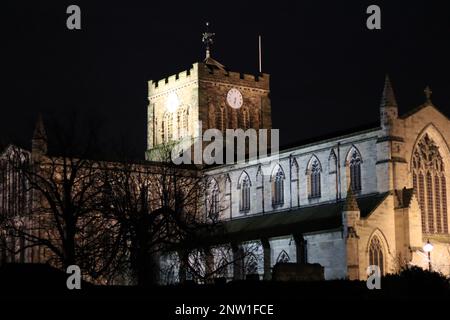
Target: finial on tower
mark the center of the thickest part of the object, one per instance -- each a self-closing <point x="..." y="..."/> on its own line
<point x="388" y="98"/>
<point x="208" y="40"/>
<point x="428" y="94"/>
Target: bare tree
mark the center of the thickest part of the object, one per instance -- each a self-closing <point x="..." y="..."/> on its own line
<point x="62" y="223"/>
<point x="158" y="206"/>
<point x="110" y="218"/>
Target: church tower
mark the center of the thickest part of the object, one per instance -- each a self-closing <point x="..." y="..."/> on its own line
<point x="206" y="96"/>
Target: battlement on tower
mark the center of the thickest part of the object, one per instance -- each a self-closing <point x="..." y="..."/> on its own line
<point x="207" y="72"/>
<point x="202" y="71"/>
<point x="158" y="86"/>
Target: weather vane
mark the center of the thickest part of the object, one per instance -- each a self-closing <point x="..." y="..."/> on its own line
<point x="208" y="40"/>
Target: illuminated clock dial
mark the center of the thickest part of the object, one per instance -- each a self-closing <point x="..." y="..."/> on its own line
<point x="234" y="98"/>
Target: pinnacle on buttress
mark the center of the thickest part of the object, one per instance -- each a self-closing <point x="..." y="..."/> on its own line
<point x="39" y="141"/>
<point x="388" y="98"/>
<point x="350" y="201"/>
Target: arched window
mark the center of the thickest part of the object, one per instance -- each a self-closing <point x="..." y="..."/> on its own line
<point x="429" y="184"/>
<point x="313" y="172"/>
<point x="354" y="166"/>
<point x="259" y="178"/>
<point x="222" y="119"/>
<point x="233" y="121"/>
<point x="178" y="124"/>
<point x="294" y="168"/>
<point x="167" y="127"/>
<point x="251" y="265"/>
<point x="278" y="188"/>
<point x="213" y="202"/>
<point x="163" y="131"/>
<point x="223" y="268"/>
<point x="182" y="122"/>
<point x="185" y="121"/>
<point x="244" y="186"/>
<point x="245" y="119"/>
<point x="283" y="257"/>
<point x="376" y="256"/>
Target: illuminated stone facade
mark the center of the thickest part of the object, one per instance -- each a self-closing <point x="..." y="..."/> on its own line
<point x="388" y="223"/>
<point x="179" y="103"/>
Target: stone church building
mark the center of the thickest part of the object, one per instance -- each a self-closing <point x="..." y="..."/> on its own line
<point x="371" y="197"/>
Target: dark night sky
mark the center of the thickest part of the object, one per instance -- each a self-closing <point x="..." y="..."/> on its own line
<point x="327" y="69"/>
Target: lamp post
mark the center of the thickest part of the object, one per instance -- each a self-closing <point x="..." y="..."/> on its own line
<point x="427" y="248"/>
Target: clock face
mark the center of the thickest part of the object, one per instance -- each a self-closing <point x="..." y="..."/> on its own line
<point x="234" y="98"/>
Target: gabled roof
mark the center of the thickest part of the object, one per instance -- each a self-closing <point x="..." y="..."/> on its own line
<point x="301" y="220"/>
<point x="212" y="63"/>
<point x="417" y="109"/>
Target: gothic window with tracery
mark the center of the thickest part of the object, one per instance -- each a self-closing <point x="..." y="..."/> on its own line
<point x="252" y="265"/>
<point x="376" y="256"/>
<point x="429" y="184"/>
<point x="183" y="122"/>
<point x="245" y="194"/>
<point x="222" y="268"/>
<point x="314" y="178"/>
<point x="354" y="164"/>
<point x="283" y="257"/>
<point x="213" y="202"/>
<point x="278" y="188"/>
<point x="167" y="128"/>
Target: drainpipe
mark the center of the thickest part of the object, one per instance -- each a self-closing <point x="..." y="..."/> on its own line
<point x="290" y="181"/>
<point x="338" y="168"/>
<point x="262" y="191"/>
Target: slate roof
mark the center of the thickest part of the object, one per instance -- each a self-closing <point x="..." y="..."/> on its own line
<point x="300" y="220"/>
